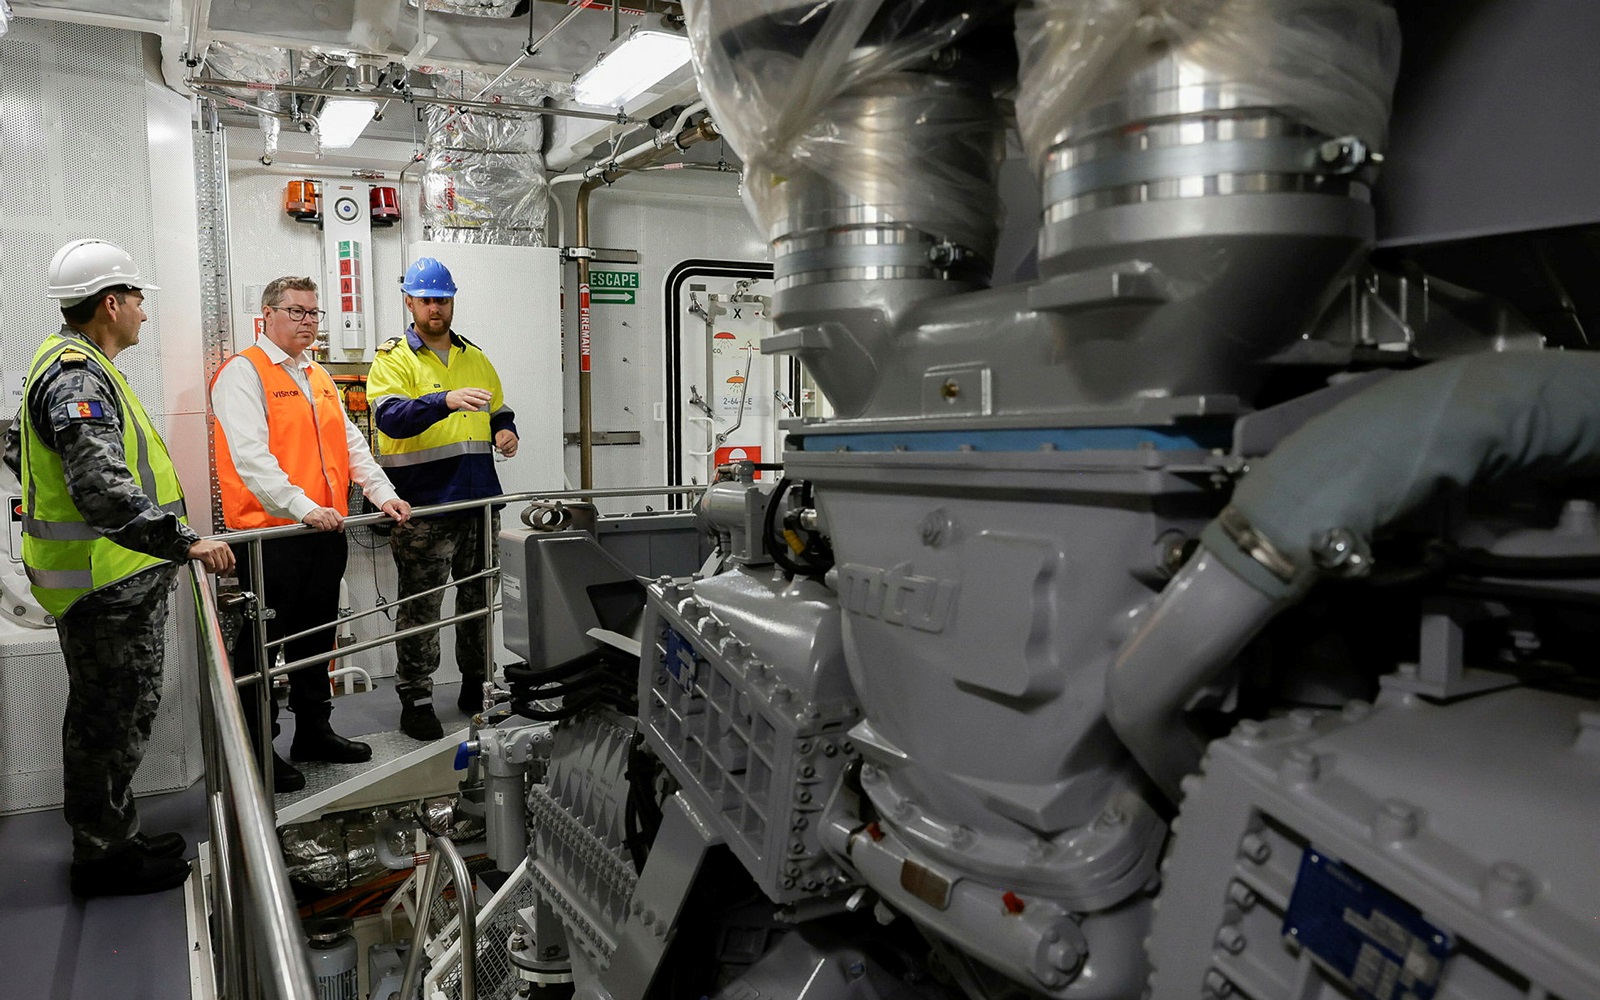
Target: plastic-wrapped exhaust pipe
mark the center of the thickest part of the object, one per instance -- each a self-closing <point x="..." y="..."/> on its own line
<point x="1311" y="508"/>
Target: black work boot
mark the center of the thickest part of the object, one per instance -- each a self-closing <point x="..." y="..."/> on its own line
<point x="285" y="776"/>
<point x="130" y="872"/>
<point x="160" y="845"/>
<point x="314" y="739"/>
<point x="417" y="719"/>
<point x="470" y="700"/>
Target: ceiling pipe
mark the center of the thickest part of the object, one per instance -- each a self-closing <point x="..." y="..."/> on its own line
<point x="532" y="48"/>
<point x="636" y="158"/>
<point x="449" y="102"/>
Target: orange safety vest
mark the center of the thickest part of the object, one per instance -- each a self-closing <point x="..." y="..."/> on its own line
<point x="309" y="444"/>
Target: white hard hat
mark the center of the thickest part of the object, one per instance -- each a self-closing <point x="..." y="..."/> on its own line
<point x="83" y="267"/>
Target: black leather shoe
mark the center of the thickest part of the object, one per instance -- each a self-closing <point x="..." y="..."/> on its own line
<point x="285" y="776"/>
<point x="322" y="743"/>
<point x="160" y="845"/>
<point x="418" y="721"/>
<point x="129" y="873"/>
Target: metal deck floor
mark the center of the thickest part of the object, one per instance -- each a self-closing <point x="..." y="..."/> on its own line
<point x="55" y="947"/>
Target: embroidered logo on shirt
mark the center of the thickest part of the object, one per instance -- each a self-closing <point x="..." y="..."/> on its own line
<point x="85" y="409"/>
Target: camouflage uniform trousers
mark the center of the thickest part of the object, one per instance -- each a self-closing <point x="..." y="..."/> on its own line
<point x="114" y="642"/>
<point x="427" y="553"/>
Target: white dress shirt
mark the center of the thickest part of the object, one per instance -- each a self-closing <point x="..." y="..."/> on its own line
<point x="239" y="401"/>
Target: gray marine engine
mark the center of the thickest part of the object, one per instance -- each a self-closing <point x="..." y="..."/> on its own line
<point x="1143" y="628"/>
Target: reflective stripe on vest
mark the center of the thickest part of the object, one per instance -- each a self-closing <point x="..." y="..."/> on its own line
<point x="79" y="531"/>
<point x="404" y="373"/>
<point x="434" y="454"/>
<point x="64" y="557"/>
<point x="305" y="436"/>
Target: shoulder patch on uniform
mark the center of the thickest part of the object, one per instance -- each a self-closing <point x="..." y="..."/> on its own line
<point x="70" y="357"/>
<point x="85" y="409"/>
<point x="389" y="345"/>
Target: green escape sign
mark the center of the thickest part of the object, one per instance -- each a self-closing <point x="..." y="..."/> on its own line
<point x="614" y="288"/>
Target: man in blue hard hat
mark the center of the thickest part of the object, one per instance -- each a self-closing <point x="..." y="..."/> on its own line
<point x="441" y="419"/>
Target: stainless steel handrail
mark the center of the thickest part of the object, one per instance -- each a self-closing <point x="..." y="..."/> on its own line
<point x="445" y="855"/>
<point x="347" y="619"/>
<point x="258" y="929"/>
<point x="280" y="531"/>
<point x="251" y="901"/>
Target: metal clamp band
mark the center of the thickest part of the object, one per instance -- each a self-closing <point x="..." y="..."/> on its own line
<point x="1205" y="159"/>
<point x="856" y="255"/>
<point x="1254" y="544"/>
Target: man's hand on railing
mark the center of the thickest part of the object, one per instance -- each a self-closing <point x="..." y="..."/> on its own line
<point x="399" y="510"/>
<point x="217" y="556"/>
<point x="325" y="519"/>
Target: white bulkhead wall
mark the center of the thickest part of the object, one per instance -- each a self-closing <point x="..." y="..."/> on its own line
<point x="667" y="216"/>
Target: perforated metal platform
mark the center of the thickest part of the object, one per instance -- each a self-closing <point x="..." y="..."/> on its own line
<point x="327" y="784"/>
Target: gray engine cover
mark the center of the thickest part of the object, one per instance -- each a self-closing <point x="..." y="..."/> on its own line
<point x="1479" y="814"/>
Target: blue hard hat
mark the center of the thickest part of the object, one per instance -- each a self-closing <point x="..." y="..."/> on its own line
<point x="429" y="279"/>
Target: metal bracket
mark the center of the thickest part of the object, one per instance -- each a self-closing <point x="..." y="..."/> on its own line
<point x="245" y="603"/>
<point x="604" y="437"/>
<point x="657" y="902"/>
<point x="1441" y="671"/>
<point x="601" y="255"/>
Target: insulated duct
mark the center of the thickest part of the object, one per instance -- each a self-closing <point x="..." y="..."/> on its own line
<point x="256" y="64"/>
<point x="483" y="177"/>
<point x="468" y="8"/>
<point x="1312" y="507"/>
<point x="347" y="849"/>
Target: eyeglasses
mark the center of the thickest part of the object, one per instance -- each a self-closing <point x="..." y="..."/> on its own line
<point x="299" y="313"/>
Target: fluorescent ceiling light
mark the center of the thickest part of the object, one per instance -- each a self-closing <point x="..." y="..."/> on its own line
<point x="340" y="121"/>
<point x="631" y="68"/>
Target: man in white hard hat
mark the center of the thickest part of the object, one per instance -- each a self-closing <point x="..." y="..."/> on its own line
<point x="103" y="535"/>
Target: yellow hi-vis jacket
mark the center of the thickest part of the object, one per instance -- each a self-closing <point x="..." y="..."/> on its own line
<point x="66" y="558"/>
<point x="431" y="453"/>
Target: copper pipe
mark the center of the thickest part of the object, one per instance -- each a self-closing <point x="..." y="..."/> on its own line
<point x="705" y="131"/>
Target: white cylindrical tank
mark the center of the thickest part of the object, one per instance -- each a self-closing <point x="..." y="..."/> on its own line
<point x="333" y="958"/>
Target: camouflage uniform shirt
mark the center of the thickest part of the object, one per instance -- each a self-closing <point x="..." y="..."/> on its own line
<point x="91" y="451"/>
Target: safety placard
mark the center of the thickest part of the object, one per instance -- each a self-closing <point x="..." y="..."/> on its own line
<point x="16" y="528"/>
<point x="614" y="288"/>
<point x="738" y="453"/>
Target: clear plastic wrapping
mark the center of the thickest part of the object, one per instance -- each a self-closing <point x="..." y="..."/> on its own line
<point x="257" y="64"/>
<point x="483" y="175"/>
<point x="1329" y="64"/>
<point x="823" y="88"/>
